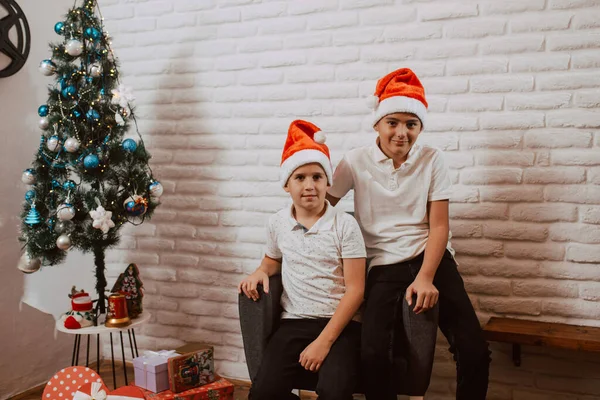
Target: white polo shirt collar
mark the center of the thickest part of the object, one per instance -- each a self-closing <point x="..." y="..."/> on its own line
<point x="323" y="223"/>
<point x="379" y="156"/>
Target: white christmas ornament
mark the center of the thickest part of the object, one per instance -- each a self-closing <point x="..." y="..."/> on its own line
<point x="156" y="189"/>
<point x="74" y="47"/>
<point x="53" y="144"/>
<point x="47" y="67"/>
<point x="63" y="242"/>
<point x="44" y="123"/>
<point x="72" y="145"/>
<point x="28" y="265"/>
<point x="95" y="70"/>
<point x="65" y="212"/>
<point x="102" y="219"/>
<point x="122" y="96"/>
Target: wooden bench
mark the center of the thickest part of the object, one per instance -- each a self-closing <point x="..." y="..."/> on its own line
<point x="536" y="333"/>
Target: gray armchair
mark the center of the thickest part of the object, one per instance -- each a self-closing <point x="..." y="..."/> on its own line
<point x="259" y="319"/>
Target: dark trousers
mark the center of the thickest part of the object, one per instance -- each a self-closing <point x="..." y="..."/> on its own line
<point x="280" y="368"/>
<point x="457" y="320"/>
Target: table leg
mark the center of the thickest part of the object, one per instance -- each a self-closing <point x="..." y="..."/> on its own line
<point x="137" y="354"/>
<point x="74" y="348"/>
<point x="112" y="356"/>
<point x="98" y="353"/>
<point x="87" y="352"/>
<point x="130" y="344"/>
<point x="77" y="354"/>
<point x="123" y="355"/>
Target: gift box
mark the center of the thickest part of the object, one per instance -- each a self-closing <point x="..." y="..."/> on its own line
<point x="221" y="389"/>
<point x="192" y="369"/>
<point x="151" y="370"/>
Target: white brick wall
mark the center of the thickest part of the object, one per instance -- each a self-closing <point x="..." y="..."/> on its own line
<point x="513" y="88"/>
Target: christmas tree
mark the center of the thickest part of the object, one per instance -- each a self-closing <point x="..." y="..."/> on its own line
<point x="88" y="178"/>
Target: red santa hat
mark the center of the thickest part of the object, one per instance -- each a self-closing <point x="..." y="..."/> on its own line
<point x="398" y="91"/>
<point x="305" y="144"/>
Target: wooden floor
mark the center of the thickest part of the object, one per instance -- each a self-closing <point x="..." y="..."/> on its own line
<point x="241" y="387"/>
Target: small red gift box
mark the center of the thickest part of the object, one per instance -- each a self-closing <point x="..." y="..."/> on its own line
<point x="221" y="389"/>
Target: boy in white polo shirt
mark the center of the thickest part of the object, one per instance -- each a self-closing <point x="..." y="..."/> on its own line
<point x="401" y="193"/>
<point x="320" y="254"/>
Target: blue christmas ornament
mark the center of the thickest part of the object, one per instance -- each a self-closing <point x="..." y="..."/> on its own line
<point x="102" y="92"/>
<point x="76" y="113"/>
<point x="92" y="33"/>
<point x="69" y="92"/>
<point x="59" y="28"/>
<point x="136" y="206"/>
<point x="69" y="185"/>
<point x="29" y="195"/>
<point x="92" y="115"/>
<point x="63" y="82"/>
<point x="55" y="183"/>
<point x="129" y="145"/>
<point x="91" y="161"/>
<point x="33" y="217"/>
<point x="155" y="189"/>
<point x="43" y="110"/>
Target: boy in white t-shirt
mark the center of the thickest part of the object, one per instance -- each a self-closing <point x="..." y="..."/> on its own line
<point x="320" y="254"/>
<point x="401" y="193"/>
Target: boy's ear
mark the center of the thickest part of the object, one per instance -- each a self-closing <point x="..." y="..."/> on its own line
<point x="286" y="188"/>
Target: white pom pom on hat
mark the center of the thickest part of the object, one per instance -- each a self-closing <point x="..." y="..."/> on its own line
<point x="320" y="137"/>
<point x="372" y="102"/>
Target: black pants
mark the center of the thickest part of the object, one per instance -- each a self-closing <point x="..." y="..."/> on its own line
<point x="280" y="369"/>
<point x="457" y="321"/>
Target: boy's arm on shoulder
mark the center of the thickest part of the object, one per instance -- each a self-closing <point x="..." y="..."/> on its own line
<point x="332" y="199"/>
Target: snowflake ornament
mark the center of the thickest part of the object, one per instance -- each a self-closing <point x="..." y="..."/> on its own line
<point x="122" y="96"/>
<point x="102" y="219"/>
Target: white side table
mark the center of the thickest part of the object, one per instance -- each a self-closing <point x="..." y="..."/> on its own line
<point x="97" y="330"/>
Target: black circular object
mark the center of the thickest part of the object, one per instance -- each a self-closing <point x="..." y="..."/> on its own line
<point x="19" y="51"/>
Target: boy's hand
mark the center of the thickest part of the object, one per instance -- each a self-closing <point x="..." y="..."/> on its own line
<point x="427" y="295"/>
<point x="249" y="285"/>
<point x="314" y="354"/>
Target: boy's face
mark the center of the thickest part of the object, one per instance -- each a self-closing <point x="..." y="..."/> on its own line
<point x="398" y="132"/>
<point x="308" y="185"/>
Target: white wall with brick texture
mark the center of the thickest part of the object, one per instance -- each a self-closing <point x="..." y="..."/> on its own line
<point x="514" y="97"/>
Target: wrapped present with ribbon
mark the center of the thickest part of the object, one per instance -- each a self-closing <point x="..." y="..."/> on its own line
<point x="221" y="389"/>
<point x="194" y="367"/>
<point x="151" y="370"/>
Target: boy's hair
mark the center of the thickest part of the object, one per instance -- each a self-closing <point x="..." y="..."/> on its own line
<point x="305" y="144"/>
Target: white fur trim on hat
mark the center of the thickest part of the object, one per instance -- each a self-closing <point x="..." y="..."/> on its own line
<point x="397" y="104"/>
<point x="301" y="158"/>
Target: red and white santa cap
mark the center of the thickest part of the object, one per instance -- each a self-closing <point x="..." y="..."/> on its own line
<point x="81" y="302"/>
<point x="398" y="91"/>
<point x="305" y="144"/>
